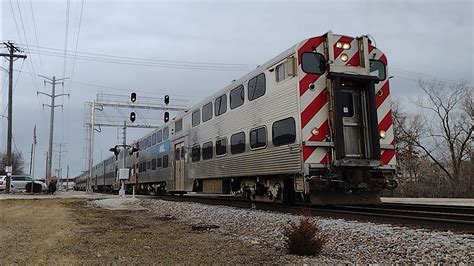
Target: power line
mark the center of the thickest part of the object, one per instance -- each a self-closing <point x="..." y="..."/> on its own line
<point x="150" y="64"/>
<point x="144" y="59"/>
<point x="36" y="36"/>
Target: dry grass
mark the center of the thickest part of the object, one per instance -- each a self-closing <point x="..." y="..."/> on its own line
<point x="304" y="238"/>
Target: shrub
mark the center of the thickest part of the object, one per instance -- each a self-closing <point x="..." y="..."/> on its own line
<point x="304" y="238"/>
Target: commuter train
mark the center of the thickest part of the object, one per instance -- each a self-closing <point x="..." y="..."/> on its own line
<point x="313" y="124"/>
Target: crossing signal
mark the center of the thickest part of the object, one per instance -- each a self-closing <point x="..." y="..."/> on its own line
<point x="167" y="99"/>
<point x="133" y="97"/>
<point x="166" y="117"/>
<point x="132" y="116"/>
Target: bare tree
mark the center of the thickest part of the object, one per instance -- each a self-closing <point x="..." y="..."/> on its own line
<point x="445" y="131"/>
<point x="18" y="163"/>
<point x="407" y="129"/>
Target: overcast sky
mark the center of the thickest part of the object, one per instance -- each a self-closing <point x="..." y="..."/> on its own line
<point x="422" y="39"/>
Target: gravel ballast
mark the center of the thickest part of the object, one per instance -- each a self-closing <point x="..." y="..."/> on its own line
<point x="347" y="241"/>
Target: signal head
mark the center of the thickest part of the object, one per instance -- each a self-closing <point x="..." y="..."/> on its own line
<point x="166" y="117"/>
<point x="133" y="97"/>
<point x="167" y="99"/>
<point x="132" y="116"/>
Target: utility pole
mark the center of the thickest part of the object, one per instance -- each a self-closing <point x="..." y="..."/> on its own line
<point x="11" y="56"/>
<point x="53" y="81"/>
<point x="67" y="178"/>
<point x="91" y="150"/>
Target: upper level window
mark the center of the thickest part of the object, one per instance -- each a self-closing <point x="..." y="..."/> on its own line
<point x="221" y="146"/>
<point x="220" y="105"/>
<point x="158" y="162"/>
<point x="196" y="153"/>
<point x="377" y="68"/>
<point x="148" y="141"/>
<point x="256" y="87"/>
<point x="159" y="136"/>
<point x="166" y="133"/>
<point x="237" y="97"/>
<point x="258" y="138"/>
<point x="237" y="143"/>
<point x="153" y="139"/>
<point x="207" y="150"/>
<point x="206" y="112"/>
<point x="313" y="63"/>
<point x="178" y="125"/>
<point x="196" y="117"/>
<point x="280" y="72"/>
<point x="284" y="132"/>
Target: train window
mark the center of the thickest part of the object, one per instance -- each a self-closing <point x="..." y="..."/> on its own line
<point x="166" y="133"/>
<point x="256" y="87"/>
<point x="153" y="139"/>
<point x="258" y="138"/>
<point x="237" y="143"/>
<point x="284" y="132"/>
<point x="165" y="161"/>
<point x="207" y="150"/>
<point x="221" y="147"/>
<point x="149" y="142"/>
<point x="178" y="125"/>
<point x="153" y="164"/>
<point x="206" y="112"/>
<point x="196" y="118"/>
<point x="158" y="162"/>
<point x="148" y="165"/>
<point x="347" y="104"/>
<point x="313" y="63"/>
<point x="220" y="105"/>
<point x="377" y="68"/>
<point x="183" y="153"/>
<point x="159" y="136"/>
<point x="280" y="72"/>
<point x="196" y="153"/>
<point x="237" y="97"/>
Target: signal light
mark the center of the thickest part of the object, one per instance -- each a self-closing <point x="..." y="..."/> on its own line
<point x="167" y="99"/>
<point x="132" y="150"/>
<point x="166" y="117"/>
<point x="115" y="150"/>
<point x="133" y="97"/>
<point x="132" y="116"/>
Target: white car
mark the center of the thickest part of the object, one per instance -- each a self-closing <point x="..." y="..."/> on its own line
<point x="19" y="182"/>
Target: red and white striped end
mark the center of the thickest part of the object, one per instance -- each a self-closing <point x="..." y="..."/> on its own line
<point x="314" y="105"/>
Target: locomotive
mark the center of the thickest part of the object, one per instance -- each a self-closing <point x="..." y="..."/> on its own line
<point x="313" y="124"/>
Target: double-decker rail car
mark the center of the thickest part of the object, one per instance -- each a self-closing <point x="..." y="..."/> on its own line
<point x="312" y="124"/>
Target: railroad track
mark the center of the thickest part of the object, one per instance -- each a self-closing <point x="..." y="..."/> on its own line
<point x="444" y="217"/>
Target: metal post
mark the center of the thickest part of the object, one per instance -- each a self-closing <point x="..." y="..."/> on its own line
<point x="124" y="154"/>
<point x="51" y="133"/>
<point x="67" y="178"/>
<point x="53" y="96"/>
<point x="91" y="149"/>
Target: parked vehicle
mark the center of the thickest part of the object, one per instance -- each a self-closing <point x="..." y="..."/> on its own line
<point x="19" y="182"/>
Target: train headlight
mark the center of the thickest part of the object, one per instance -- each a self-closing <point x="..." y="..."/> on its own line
<point x="315" y="131"/>
<point x="344" y="57"/>
<point x="382" y="134"/>
<point x="343" y="45"/>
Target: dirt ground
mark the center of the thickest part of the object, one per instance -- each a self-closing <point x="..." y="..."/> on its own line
<point x="66" y="231"/>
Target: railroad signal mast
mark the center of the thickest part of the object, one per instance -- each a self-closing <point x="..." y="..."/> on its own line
<point x="95" y="117"/>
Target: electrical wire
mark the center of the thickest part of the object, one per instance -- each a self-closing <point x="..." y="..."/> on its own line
<point x="36" y="37"/>
<point x="107" y="56"/>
